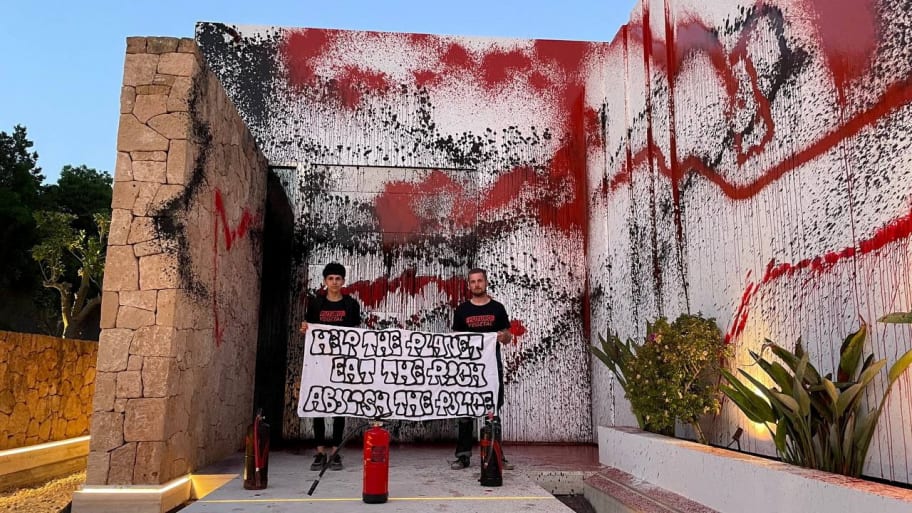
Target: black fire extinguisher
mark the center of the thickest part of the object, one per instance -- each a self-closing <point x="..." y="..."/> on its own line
<point x="256" y="457"/>
<point x="491" y="453"/>
<point x="376" y="465"/>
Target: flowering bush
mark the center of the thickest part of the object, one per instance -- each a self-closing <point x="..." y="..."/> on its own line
<point x="673" y="375"/>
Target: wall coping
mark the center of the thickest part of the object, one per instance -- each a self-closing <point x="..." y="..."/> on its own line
<point x="729" y="481"/>
<point x="133" y="498"/>
<point x="31" y="464"/>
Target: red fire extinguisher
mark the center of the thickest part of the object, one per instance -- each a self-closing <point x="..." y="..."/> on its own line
<point x="376" y="465"/>
<point x="256" y="459"/>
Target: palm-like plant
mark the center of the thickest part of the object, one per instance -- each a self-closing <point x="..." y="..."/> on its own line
<point x="618" y="357"/>
<point x="815" y="421"/>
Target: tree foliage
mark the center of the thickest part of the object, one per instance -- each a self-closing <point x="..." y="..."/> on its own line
<point x="20" y="195"/>
<point x="63" y="246"/>
<point x="53" y="236"/>
<point x="83" y="192"/>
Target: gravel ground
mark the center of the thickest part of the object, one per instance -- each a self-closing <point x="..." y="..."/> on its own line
<point x="50" y="497"/>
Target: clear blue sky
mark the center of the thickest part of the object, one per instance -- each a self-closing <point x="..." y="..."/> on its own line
<point x="62" y="62"/>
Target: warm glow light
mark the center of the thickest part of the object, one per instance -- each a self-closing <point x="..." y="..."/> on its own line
<point x="758" y="429"/>
<point x="41" y="447"/>
<point x="127" y="489"/>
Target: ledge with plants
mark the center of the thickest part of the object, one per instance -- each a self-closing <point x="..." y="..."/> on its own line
<point x="821" y="425"/>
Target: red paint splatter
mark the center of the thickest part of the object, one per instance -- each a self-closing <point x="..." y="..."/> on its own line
<point x="300" y="49"/>
<point x="897" y="230"/>
<point x="353" y="81"/>
<point x="426" y="78"/>
<point x="401" y="214"/>
<point x="457" y="57"/>
<point x="539" y="81"/>
<point x="567" y="55"/>
<point x="423" y="40"/>
<point x="372" y="293"/>
<point x="499" y="67"/>
<point x="517" y="329"/>
<point x="230" y="235"/>
<point x="848" y="34"/>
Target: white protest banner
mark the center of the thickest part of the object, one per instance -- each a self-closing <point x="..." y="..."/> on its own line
<point x="411" y="375"/>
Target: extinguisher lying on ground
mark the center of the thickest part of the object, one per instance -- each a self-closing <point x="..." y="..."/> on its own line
<point x="491" y="452"/>
<point x="256" y="457"/>
<point x="375" y="489"/>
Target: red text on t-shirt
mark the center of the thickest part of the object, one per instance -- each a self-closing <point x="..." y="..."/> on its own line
<point x="480" y="321"/>
<point x="332" y="315"/>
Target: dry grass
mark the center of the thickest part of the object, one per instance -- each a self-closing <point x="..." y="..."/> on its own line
<point x="50" y="497"/>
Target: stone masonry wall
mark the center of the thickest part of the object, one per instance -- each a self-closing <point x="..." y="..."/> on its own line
<point x="181" y="287"/>
<point x="46" y="387"/>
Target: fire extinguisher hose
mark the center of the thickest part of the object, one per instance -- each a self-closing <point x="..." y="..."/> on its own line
<point x="348" y="437"/>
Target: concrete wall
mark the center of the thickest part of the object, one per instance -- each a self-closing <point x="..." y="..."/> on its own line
<point x="729" y="482"/>
<point x="759" y="162"/>
<point x="416" y="157"/>
<point x="181" y="286"/>
<point x="46" y="387"/>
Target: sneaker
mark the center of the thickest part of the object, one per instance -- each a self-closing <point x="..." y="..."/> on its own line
<point x="460" y="463"/>
<point x="319" y="461"/>
<point x="336" y="463"/>
<point x="506" y="464"/>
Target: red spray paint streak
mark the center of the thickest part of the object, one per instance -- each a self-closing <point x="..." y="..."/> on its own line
<point x="230" y="235"/>
<point x="300" y="50"/>
<point x="399" y="215"/>
<point x="373" y="292"/>
<point x="898" y="95"/>
<point x="895" y="231"/>
<point x="848" y="50"/>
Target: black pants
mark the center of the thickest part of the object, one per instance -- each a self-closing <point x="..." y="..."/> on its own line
<point x="465" y="438"/>
<point x="338" y="428"/>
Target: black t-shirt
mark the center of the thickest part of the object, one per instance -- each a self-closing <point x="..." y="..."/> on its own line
<point x="345" y="312"/>
<point x="487" y="318"/>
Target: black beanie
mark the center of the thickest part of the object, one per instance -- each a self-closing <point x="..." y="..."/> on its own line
<point x="334" y="268"/>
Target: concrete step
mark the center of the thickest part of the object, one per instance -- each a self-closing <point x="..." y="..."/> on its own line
<point x="613" y="491"/>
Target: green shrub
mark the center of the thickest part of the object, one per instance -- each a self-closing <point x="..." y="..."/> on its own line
<point x="673" y="375"/>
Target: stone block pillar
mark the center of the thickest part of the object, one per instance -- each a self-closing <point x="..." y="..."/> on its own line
<point x="181" y="286"/>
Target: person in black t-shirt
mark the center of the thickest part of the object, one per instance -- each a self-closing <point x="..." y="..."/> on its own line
<point x="480" y="314"/>
<point x="334" y="309"/>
